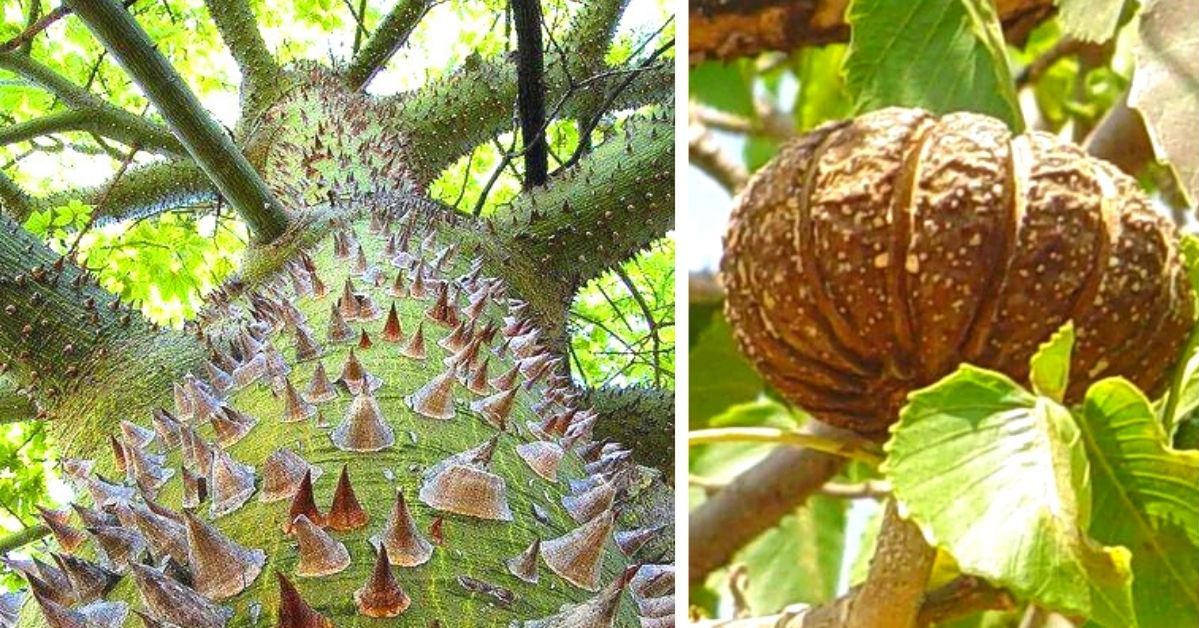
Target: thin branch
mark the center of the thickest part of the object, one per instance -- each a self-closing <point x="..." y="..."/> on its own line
<point x="205" y="140"/>
<point x="470" y="163"/>
<point x="392" y="33"/>
<point x="870" y="489"/>
<point x="611" y="98"/>
<point x="756" y="500"/>
<point x="116" y="178"/>
<point x="99" y="120"/>
<point x="359" y="16"/>
<point x="769" y="121"/>
<point x="20" y="539"/>
<point x="706" y="154"/>
<point x="113" y="119"/>
<point x="1065" y="47"/>
<point x="844" y="446"/>
<point x="649" y="320"/>
<point x="495" y="175"/>
<point x="25" y="38"/>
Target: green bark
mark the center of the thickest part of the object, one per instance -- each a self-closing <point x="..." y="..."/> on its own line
<point x="639" y="417"/>
<point x="393" y="31"/>
<point x="15" y="405"/>
<point x="205" y="140"/>
<point x="53" y="318"/>
<point x="239" y="30"/>
<point x="14" y="202"/>
<point x="98" y="120"/>
<point x="142" y="191"/>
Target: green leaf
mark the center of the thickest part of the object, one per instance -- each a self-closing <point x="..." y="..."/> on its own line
<point x="822" y="96"/>
<point x="725" y="86"/>
<point x="1090" y="20"/>
<point x="998" y="477"/>
<point x="720" y="377"/>
<point x="799" y="560"/>
<point x="940" y="55"/>
<point x="1050" y="365"/>
<point x="1146" y="497"/>
<point x="1182" y="400"/>
<point x="1165" y="88"/>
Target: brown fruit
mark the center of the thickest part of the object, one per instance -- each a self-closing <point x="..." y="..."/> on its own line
<point x="872" y="257"/>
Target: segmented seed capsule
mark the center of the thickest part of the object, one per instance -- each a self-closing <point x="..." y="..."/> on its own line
<point x="872" y="257"/>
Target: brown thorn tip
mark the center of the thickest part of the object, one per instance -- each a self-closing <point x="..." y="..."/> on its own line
<point x="294" y="612"/>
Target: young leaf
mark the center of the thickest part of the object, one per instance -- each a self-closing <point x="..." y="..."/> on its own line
<point x="1146" y="496"/>
<point x="1050" y="365"/>
<point x="941" y="55"/>
<point x="1090" y="20"/>
<point x="1165" y="88"/>
<point x="998" y="477"/>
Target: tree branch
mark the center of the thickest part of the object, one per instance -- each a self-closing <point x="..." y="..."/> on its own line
<point x="964" y="596"/>
<point x="141" y="192"/>
<point x="846" y="444"/>
<point x="205" y="140"/>
<point x="755" y="501"/>
<point x="705" y="154"/>
<point x="49" y="80"/>
<point x="102" y="121"/>
<point x="109" y="120"/>
<point x="614" y="203"/>
<point x="239" y="30"/>
<point x="395" y="29"/>
<point x="639" y="417"/>
<point x="894" y="589"/>
<point x="530" y="67"/>
<point x="477" y="99"/>
<point x="54" y="315"/>
<point x="727" y="29"/>
<point x="14" y="202"/>
<point x="20" y="539"/>
<point x="15" y="404"/>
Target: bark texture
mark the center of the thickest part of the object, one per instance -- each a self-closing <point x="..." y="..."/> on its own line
<point x="724" y="29"/>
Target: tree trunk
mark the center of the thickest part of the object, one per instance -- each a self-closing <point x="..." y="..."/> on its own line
<point x="352" y="169"/>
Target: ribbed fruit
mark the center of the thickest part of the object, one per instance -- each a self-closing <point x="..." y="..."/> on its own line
<point x="872" y="257"/>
